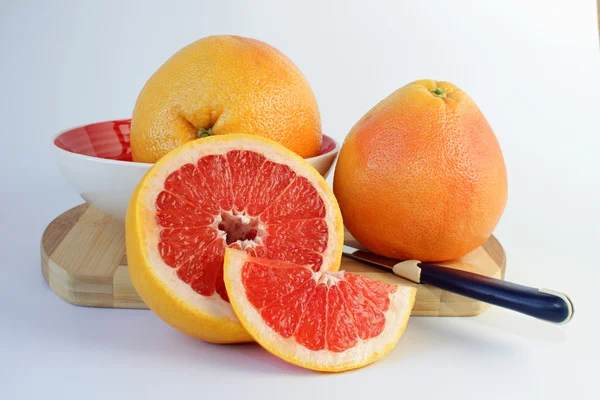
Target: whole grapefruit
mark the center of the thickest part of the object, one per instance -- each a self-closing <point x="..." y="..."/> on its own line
<point x="421" y="175"/>
<point x="225" y="84"/>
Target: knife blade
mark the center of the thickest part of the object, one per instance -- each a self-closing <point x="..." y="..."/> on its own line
<point x="545" y="304"/>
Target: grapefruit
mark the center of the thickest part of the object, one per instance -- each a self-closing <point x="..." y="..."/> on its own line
<point x="232" y="191"/>
<point x="421" y="175"/>
<point x="321" y="320"/>
<point x="220" y="85"/>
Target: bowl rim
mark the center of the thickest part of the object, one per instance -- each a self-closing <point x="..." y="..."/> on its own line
<point x="60" y="150"/>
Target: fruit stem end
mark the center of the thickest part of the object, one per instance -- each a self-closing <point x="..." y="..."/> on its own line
<point x="202" y="133"/>
<point x="439" y="92"/>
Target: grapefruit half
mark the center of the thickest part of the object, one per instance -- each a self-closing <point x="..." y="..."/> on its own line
<point x="321" y="320"/>
<point x="232" y="191"/>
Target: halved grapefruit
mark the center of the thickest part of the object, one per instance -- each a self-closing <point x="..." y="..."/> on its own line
<point x="231" y="191"/>
<point x="321" y="320"/>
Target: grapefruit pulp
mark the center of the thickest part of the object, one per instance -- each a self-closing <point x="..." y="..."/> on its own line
<point x="231" y="191"/>
<point x="321" y="320"/>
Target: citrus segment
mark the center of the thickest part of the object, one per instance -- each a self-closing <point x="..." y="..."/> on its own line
<point x="235" y="191"/>
<point x="322" y="320"/>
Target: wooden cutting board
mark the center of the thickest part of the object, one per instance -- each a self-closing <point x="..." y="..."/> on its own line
<point x="84" y="262"/>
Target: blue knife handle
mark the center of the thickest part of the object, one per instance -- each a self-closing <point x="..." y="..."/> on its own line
<point x="539" y="303"/>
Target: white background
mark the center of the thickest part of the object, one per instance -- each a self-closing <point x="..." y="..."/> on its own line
<point x="533" y="67"/>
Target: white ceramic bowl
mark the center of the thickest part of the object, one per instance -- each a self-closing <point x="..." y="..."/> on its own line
<point x="96" y="160"/>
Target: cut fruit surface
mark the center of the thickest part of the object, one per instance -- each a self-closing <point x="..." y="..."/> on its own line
<point x="232" y="191"/>
<point x="321" y="320"/>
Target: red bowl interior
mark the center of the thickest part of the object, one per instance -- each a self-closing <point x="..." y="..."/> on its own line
<point x="110" y="140"/>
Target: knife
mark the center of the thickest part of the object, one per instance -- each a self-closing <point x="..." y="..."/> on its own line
<point x="544" y="304"/>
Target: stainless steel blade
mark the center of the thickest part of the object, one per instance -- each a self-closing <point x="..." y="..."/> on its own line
<point x="368" y="257"/>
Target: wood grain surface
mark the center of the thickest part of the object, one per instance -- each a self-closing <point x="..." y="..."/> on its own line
<point x="84" y="262"/>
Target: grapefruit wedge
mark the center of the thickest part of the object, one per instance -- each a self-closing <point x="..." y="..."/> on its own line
<point x="321" y="320"/>
<point x="232" y="191"/>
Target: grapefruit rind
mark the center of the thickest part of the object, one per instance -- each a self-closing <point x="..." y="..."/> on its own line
<point x="363" y="353"/>
<point x="171" y="308"/>
<point x="208" y="318"/>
